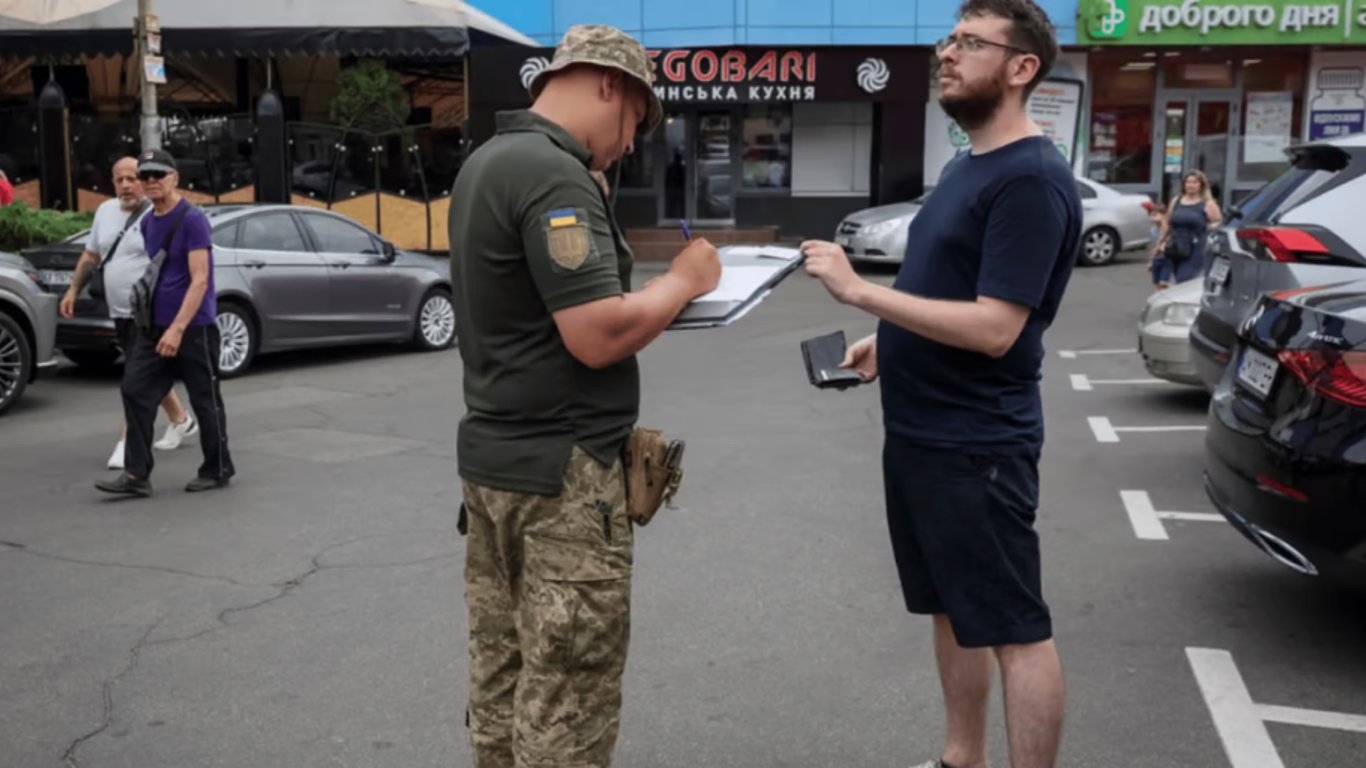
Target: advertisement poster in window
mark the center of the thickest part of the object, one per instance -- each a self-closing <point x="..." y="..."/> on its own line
<point x="1270" y="118"/>
<point x="1337" y="106"/>
<point x="1055" y="106"/>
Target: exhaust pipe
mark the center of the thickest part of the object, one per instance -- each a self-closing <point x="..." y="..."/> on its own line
<point x="1282" y="551"/>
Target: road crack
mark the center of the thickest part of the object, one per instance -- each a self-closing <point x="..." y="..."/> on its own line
<point x="107" y="695"/>
<point x="26" y="550"/>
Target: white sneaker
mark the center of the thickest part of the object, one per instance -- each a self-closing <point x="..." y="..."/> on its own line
<point x="116" y="458"/>
<point x="176" y="434"/>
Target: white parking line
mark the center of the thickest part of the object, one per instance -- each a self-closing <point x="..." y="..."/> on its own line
<point x="1147" y="520"/>
<point x="1107" y="432"/>
<point x="1241" y="722"/>
<point x="1314" y="719"/>
<point x="1071" y="354"/>
<point x="1240" y="725"/>
<point x="1083" y="383"/>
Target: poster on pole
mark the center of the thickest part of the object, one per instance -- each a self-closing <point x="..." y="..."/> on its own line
<point x="155" y="67"/>
<point x="1270" y="121"/>
<point x="154" y="43"/>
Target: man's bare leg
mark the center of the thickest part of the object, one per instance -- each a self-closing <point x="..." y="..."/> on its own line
<point x="965" y="674"/>
<point x="1036" y="698"/>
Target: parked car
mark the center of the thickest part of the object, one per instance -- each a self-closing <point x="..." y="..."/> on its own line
<point x="1304" y="228"/>
<point x="287" y="277"/>
<point x="1286" y="448"/>
<point x="28" y="328"/>
<point x="1112" y="222"/>
<point x="1164" y="331"/>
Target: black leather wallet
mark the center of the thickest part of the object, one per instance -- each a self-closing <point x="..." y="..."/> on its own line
<point x="823" y="356"/>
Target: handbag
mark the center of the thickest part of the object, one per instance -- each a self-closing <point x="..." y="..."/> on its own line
<point x="96" y="283"/>
<point x="1180" y="246"/>
<point x="143" y="297"/>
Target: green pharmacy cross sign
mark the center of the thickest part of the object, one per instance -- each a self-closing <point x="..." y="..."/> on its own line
<point x="1222" y="22"/>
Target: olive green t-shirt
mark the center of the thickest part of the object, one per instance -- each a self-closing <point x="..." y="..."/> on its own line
<point x="531" y="234"/>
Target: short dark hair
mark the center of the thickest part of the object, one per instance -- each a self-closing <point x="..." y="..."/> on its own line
<point x="1030" y="30"/>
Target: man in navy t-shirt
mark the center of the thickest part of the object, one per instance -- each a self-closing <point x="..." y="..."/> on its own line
<point x="183" y="340"/>
<point x="960" y="350"/>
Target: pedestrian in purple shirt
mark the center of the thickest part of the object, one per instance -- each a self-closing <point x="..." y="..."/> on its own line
<point x="183" y="341"/>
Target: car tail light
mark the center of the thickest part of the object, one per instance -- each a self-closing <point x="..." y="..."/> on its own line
<point x="1282" y="243"/>
<point x="1340" y="376"/>
<point x="1269" y="483"/>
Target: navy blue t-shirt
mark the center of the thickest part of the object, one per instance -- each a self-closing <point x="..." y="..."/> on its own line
<point x="1004" y="224"/>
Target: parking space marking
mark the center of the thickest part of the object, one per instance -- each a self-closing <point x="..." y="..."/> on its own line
<point x="1106" y="432"/>
<point x="1147" y="519"/>
<point x="1240" y="725"/>
<point x="1335" y="721"/>
<point x="1083" y="383"/>
<point x="1241" y="722"/>
<point x="1071" y="354"/>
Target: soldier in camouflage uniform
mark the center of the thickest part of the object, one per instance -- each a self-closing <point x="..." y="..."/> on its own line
<point x="549" y="330"/>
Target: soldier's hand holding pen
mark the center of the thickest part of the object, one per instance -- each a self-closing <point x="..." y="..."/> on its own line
<point x="699" y="265"/>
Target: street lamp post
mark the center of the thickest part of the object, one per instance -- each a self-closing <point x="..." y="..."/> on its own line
<point x="151" y="129"/>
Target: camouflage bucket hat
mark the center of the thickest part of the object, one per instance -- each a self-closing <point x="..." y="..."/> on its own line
<point x="602" y="46"/>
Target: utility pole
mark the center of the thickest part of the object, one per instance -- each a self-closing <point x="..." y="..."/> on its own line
<point x="151" y="125"/>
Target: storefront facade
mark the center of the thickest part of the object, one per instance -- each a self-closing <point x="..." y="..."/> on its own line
<point x="754" y="136"/>
<point x="1221" y="86"/>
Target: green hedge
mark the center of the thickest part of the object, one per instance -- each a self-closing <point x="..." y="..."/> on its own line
<point x="24" y="227"/>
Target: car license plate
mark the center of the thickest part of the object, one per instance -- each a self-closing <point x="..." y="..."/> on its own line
<point x="842" y="241"/>
<point x="54" y="277"/>
<point x="1218" y="272"/>
<point x="1257" y="371"/>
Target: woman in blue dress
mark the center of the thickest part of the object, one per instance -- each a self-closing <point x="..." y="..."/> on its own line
<point x="1190" y="217"/>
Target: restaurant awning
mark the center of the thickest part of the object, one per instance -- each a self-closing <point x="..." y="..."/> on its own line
<point x="257" y="28"/>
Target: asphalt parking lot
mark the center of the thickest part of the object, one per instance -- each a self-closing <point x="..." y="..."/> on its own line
<point x="312" y="614"/>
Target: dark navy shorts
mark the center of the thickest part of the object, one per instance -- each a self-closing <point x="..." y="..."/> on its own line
<point x="962" y="526"/>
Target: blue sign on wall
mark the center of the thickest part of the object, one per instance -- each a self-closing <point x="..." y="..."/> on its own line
<point x="674" y="24"/>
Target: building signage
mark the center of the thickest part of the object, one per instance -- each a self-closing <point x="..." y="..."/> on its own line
<point x="1221" y="22"/>
<point x="760" y="75"/>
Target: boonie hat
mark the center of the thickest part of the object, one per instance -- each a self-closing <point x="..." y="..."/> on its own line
<point x="601" y="45"/>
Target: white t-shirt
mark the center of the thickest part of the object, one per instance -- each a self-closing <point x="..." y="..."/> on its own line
<point x="126" y="266"/>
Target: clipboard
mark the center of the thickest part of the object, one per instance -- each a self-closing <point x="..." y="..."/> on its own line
<point x="748" y="275"/>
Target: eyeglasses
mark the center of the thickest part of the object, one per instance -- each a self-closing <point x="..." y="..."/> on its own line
<point x="151" y="175"/>
<point x="974" y="44"/>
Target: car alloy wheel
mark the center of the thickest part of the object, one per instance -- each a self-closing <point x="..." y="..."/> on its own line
<point x="235" y="351"/>
<point x="14" y="362"/>
<point x="1099" y="247"/>
<point x="437" y="321"/>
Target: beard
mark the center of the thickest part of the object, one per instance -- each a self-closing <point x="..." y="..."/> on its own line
<point x="976" y="105"/>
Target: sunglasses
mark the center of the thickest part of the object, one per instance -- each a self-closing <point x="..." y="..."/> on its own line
<point x="152" y="175"/>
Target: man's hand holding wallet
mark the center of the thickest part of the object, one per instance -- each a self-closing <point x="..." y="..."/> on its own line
<point x="830" y="366"/>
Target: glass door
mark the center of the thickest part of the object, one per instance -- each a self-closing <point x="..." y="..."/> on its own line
<point x="1200" y="132"/>
<point x="700" y="163"/>
<point x="714" y="179"/>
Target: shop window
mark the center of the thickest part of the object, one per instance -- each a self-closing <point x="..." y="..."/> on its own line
<point x="768" y="147"/>
<point x="1273" y="115"/>
<point x="833" y="146"/>
<point x="1124" y="87"/>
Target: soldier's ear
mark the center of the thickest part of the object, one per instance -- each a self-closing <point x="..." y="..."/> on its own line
<point x="612" y="84"/>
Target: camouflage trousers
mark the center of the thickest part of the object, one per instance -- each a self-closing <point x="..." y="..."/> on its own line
<point x="548" y="585"/>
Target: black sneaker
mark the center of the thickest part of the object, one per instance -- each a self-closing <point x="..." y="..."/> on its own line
<point x="126" y="485"/>
<point x="202" y="484"/>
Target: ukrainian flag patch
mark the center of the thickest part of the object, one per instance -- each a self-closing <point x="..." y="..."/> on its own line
<point x="564" y="217"/>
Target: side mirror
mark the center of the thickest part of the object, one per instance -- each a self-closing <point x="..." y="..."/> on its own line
<point x="390" y="251"/>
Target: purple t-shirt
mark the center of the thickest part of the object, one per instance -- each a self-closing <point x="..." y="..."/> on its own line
<point x="195" y="234"/>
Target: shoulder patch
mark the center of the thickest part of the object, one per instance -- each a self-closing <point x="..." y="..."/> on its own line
<point x="569" y="245"/>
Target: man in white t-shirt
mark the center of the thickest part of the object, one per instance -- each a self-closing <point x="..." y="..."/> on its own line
<point x="116" y="223"/>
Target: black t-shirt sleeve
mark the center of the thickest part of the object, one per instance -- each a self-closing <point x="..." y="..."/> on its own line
<point x="568" y="242"/>
<point x="1026" y="230"/>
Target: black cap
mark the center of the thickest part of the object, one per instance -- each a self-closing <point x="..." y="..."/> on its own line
<point x="156" y="160"/>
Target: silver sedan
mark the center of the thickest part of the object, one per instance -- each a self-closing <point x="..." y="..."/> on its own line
<point x="1112" y="222"/>
<point x="287" y="277"/>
